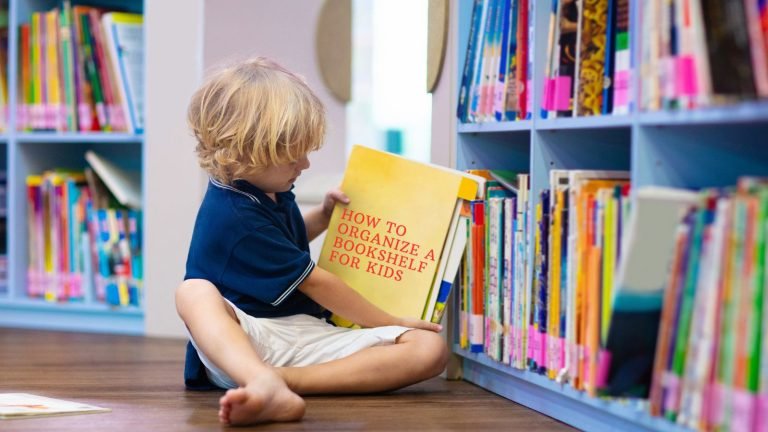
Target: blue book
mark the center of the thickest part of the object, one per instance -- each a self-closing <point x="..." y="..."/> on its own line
<point x="610" y="53"/>
<point x="469" y="62"/>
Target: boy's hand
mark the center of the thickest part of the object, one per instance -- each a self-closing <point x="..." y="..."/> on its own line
<point x="419" y="324"/>
<point x="331" y="198"/>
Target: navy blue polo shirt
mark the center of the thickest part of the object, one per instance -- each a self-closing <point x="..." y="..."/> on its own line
<point x="255" y="251"/>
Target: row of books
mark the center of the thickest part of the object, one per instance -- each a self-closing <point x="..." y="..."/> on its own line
<point x="496" y="79"/>
<point x="660" y="298"/>
<point x="81" y="69"/>
<point x="703" y="52"/>
<point x="588" y="65"/>
<point x="550" y="314"/>
<point x="711" y="360"/>
<point x="82" y="244"/>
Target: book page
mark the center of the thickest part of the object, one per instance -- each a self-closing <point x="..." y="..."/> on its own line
<point x="15" y="405"/>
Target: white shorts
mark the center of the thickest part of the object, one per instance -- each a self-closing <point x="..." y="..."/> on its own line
<point x="300" y="340"/>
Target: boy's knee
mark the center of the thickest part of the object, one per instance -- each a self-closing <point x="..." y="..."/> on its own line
<point x="431" y="350"/>
<point x="191" y="292"/>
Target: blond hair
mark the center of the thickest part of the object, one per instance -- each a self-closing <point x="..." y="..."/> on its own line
<point x="253" y="115"/>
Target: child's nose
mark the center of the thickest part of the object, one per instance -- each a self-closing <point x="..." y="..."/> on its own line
<point x="304" y="163"/>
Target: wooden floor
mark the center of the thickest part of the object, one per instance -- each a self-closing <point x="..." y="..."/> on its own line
<point x="140" y="379"/>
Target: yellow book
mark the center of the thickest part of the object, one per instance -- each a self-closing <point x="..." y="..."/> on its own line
<point x="555" y="260"/>
<point x="386" y="243"/>
<point x="36" y="109"/>
<point x="52" y="107"/>
<point x="609" y="260"/>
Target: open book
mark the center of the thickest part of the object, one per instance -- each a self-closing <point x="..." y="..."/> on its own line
<point x="22" y="405"/>
<point x="400" y="239"/>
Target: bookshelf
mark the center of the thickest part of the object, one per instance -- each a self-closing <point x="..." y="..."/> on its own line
<point x="24" y="153"/>
<point x="690" y="149"/>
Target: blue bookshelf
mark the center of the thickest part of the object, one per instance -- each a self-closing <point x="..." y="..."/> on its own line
<point x="692" y="149"/>
<point x="522" y="125"/>
<point x="25" y="153"/>
<point x="77" y="138"/>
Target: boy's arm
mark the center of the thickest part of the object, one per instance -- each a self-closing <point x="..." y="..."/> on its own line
<point x="332" y="293"/>
<point x="316" y="220"/>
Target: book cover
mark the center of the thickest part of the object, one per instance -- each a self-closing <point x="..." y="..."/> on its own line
<point x="647" y="251"/>
<point x="81" y="13"/>
<point x="469" y="61"/>
<point x="592" y="58"/>
<point x="124" y="184"/>
<point x="727" y="37"/>
<point x="23" y="405"/>
<point x="564" y="79"/>
<point x="386" y="243"/>
<point x="124" y="41"/>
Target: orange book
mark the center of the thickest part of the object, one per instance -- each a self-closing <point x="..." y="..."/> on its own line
<point x="585" y="239"/>
<point x="663" y="348"/>
<point x="592" y="326"/>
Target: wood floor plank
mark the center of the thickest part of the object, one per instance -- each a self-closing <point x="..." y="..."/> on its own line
<point x="140" y="379"/>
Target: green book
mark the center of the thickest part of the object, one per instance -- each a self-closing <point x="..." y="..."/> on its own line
<point x="91" y="72"/>
<point x="67" y="65"/>
<point x="704" y="217"/>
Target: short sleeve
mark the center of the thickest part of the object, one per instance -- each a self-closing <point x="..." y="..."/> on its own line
<point x="266" y="266"/>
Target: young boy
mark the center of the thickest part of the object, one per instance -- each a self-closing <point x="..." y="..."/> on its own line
<point x="253" y="301"/>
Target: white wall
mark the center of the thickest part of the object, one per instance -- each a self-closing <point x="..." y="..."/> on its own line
<point x="444" y="144"/>
<point x="443" y="100"/>
<point x="283" y="30"/>
<point x="172" y="181"/>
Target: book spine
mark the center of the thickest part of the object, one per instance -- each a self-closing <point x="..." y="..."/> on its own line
<point x="511" y="94"/>
<point x="476" y="339"/>
<point x="609" y="63"/>
<point x="480" y="61"/>
<point x="507" y="281"/>
<point x="592" y="58"/>
<point x="68" y="67"/>
<point x="469" y="61"/>
<point x="499" y="91"/>
<point x="622" y="62"/>
<point x="90" y="63"/>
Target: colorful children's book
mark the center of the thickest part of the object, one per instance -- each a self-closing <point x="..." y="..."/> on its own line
<point x="641" y="278"/>
<point x="124" y="42"/>
<point x="388" y="241"/>
<point x="23" y="405"/>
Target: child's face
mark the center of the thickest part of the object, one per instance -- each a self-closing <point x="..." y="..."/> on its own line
<point x="278" y="178"/>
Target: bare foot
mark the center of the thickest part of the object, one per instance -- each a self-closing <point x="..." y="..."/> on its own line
<point x="266" y="399"/>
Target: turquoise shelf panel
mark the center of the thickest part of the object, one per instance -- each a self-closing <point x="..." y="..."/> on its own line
<point x="585" y="122"/>
<point x="746" y="112"/>
<point x="559" y="401"/>
<point x="522" y="125"/>
<point x="78" y="138"/>
<point x="72" y="316"/>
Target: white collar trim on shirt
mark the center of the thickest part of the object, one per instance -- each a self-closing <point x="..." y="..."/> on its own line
<point x="223" y="186"/>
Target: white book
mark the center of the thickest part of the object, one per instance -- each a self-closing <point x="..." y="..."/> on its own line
<point x="458" y="246"/>
<point x="507" y="281"/>
<point x="21" y="405"/>
<point x="439" y="275"/>
<point x="125" y="185"/>
<point x="125" y="46"/>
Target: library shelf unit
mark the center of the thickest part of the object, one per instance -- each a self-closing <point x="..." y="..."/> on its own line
<point x="25" y="153"/>
<point x="689" y="149"/>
